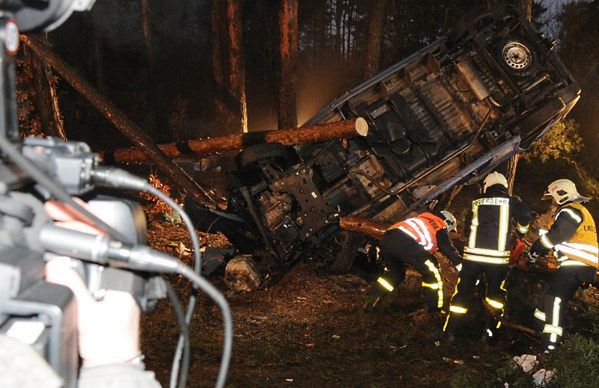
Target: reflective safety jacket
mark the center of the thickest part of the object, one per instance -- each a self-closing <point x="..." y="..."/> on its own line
<point x="490" y="223"/>
<point x="572" y="236"/>
<point x="423" y="228"/>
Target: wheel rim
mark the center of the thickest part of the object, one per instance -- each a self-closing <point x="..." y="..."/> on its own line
<point x="516" y="55"/>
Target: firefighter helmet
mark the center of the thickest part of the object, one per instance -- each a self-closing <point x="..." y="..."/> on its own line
<point x="494" y="178"/>
<point x="562" y="191"/>
<point x="452" y="224"/>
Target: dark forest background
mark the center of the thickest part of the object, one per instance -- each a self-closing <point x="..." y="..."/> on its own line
<point x="168" y="66"/>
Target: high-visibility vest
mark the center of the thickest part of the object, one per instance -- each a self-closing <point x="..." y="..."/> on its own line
<point x="582" y="247"/>
<point x="423" y="228"/>
<point x="499" y="253"/>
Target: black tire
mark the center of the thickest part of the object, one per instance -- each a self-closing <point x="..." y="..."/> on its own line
<point x="275" y="152"/>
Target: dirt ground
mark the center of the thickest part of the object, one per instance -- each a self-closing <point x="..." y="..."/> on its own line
<point x="308" y="329"/>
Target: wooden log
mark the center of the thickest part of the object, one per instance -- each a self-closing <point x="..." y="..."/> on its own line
<point x="360" y="225"/>
<point x="312" y="134"/>
<point x="120" y="121"/>
<point x="518" y="327"/>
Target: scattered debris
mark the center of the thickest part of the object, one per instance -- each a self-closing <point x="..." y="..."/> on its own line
<point x="182" y="250"/>
<point x="454" y="361"/>
<point x="335" y="336"/>
<point x="542" y="377"/>
<point x="241" y="274"/>
<point x="526" y="361"/>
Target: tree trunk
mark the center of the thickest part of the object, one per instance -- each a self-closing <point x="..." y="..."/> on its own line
<point x="374" y="39"/>
<point x="96" y="63"/>
<point x="363" y="226"/>
<point x="217" y="64"/>
<point x="236" y="65"/>
<point x="288" y="50"/>
<point x="119" y="120"/>
<point x="153" y="101"/>
<point x="526" y="8"/>
<point x="146" y="23"/>
<point x="46" y="98"/>
<point x="348" y="30"/>
<point x="292" y="136"/>
<point x="338" y="15"/>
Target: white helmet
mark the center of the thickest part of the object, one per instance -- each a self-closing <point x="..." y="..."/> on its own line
<point x="452" y="224"/>
<point x="562" y="191"/>
<point x="494" y="178"/>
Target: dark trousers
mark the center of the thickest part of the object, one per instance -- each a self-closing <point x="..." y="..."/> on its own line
<point x="561" y="288"/>
<point x="494" y="300"/>
<point x="397" y="250"/>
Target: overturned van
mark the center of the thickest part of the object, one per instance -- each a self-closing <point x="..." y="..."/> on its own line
<point x="444" y="116"/>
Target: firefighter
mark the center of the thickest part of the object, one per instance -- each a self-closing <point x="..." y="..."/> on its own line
<point x="489" y="232"/>
<point x="414" y="241"/>
<point x="573" y="239"/>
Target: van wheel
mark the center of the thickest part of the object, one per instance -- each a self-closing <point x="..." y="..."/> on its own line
<point x="516" y="56"/>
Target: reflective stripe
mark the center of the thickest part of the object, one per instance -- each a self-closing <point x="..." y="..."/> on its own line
<point x="545" y="241"/>
<point x="554" y="327"/>
<point x="494" y="303"/>
<point x="383" y="282"/>
<point x="489" y="333"/>
<point x="419" y="232"/>
<point x="433" y="286"/>
<point x="550" y="329"/>
<point x="504" y="223"/>
<point x="551" y="347"/>
<point x="573" y="263"/>
<point x="425" y="232"/>
<point x="420" y="228"/>
<point x="523" y="228"/>
<point x="458" y="309"/>
<point x="571" y="213"/>
<point x="540" y="315"/>
<point x="583" y="247"/>
<point x="484" y="259"/>
<point x="407" y="232"/>
<point x="439" y="288"/>
<point x="568" y="250"/>
<point x="496" y="201"/>
<point x="487" y="252"/>
<point x="473" y="226"/>
<point x="421" y="238"/>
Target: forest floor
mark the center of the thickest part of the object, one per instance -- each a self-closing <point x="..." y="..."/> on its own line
<point x="308" y="329"/>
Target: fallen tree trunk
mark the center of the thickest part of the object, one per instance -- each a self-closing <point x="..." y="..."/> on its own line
<point x="518" y="327"/>
<point x="312" y="134"/>
<point x="360" y="225"/>
<point x="119" y="120"/>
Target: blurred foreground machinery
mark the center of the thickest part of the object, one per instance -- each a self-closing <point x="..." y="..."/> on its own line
<point x="444" y="116"/>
